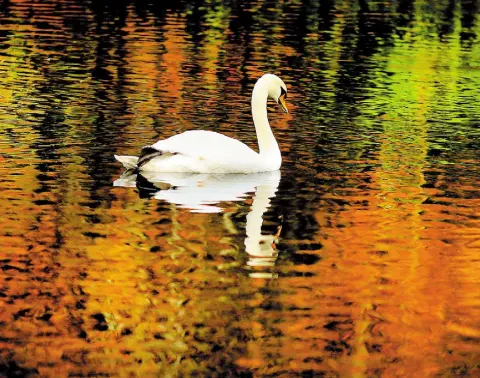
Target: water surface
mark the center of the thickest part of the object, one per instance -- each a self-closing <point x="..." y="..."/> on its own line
<point x="358" y="259"/>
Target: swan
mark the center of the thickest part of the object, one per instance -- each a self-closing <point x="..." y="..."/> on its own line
<point x="200" y="151"/>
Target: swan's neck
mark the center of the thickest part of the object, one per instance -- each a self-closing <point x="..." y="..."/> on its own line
<point x="267" y="144"/>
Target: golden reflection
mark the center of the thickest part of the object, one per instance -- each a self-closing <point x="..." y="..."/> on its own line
<point x="376" y="273"/>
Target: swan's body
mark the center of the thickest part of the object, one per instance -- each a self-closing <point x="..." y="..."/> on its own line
<point x="210" y="152"/>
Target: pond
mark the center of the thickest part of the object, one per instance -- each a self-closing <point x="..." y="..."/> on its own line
<point x="359" y="258"/>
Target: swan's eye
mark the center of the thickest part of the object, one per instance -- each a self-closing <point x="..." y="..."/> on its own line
<point x="283" y="92"/>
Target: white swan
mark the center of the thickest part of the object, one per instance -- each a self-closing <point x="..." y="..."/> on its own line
<point x="201" y="151"/>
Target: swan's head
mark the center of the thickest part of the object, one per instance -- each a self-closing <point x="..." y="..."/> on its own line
<point x="277" y="90"/>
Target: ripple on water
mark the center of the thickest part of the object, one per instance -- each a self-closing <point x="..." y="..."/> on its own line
<point x="365" y="256"/>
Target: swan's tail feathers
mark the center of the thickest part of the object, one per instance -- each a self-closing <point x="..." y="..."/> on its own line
<point x="147" y="154"/>
<point x="129" y="162"/>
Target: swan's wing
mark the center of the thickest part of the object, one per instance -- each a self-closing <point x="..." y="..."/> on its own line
<point x="196" y="151"/>
<point x="205" y="145"/>
<point x="199" y="151"/>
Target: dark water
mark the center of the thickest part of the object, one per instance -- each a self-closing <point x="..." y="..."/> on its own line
<point x="359" y="259"/>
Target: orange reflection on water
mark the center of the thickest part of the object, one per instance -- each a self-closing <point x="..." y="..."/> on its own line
<point x="361" y="262"/>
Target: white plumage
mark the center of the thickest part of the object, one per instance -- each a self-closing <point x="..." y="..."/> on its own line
<point x="210" y="152"/>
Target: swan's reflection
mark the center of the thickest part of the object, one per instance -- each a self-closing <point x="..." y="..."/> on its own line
<point x="203" y="192"/>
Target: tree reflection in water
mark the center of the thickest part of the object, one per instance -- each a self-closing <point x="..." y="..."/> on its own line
<point x="376" y="269"/>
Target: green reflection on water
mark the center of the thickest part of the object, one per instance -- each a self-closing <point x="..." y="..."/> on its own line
<point x="377" y="199"/>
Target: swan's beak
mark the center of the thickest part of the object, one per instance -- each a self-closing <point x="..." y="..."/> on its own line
<point x="281" y="101"/>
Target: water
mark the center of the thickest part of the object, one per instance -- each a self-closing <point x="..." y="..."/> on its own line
<point x="359" y="259"/>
